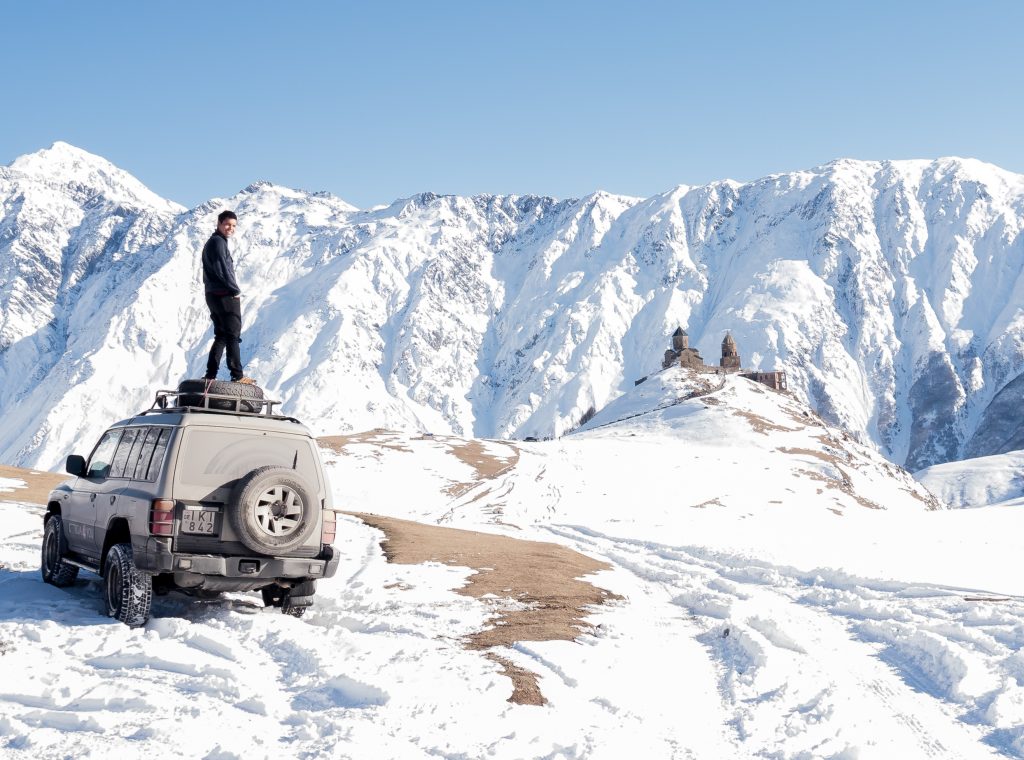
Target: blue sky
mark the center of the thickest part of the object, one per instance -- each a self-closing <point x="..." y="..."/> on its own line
<point x="375" y="101"/>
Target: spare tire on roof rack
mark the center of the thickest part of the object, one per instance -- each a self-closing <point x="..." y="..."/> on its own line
<point x="221" y="395"/>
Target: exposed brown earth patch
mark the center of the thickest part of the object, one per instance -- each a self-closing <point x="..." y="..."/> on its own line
<point x="525" y="689"/>
<point x="931" y="502"/>
<point x="38" y="484"/>
<point x="762" y="425"/>
<point x="845" y="485"/>
<point x="808" y="453"/>
<point x="545" y="598"/>
<point x="486" y="464"/>
<point x="378" y="436"/>
<point x="833" y="445"/>
<point x="802" y="416"/>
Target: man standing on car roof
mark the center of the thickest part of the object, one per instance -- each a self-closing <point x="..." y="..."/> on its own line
<point x="223" y="298"/>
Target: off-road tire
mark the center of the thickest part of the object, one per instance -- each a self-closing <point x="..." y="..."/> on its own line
<point x="194" y="392"/>
<point x="55" y="545"/>
<point x="292" y="601"/>
<point x="127" y="592"/>
<point x="299" y="598"/>
<point x="272" y="595"/>
<point x="294" y="610"/>
<point x="273" y="510"/>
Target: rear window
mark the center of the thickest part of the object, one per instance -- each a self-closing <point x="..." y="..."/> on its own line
<point x="214" y="457"/>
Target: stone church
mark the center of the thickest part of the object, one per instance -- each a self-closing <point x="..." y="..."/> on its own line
<point x="683" y="355"/>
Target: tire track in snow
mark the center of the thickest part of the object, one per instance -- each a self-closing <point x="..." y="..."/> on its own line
<point x="826" y="664"/>
<point x="226" y="678"/>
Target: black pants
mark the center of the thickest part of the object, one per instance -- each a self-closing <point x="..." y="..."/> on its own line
<point x="226" y="313"/>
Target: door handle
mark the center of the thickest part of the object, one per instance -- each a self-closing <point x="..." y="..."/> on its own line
<point x="92" y="497"/>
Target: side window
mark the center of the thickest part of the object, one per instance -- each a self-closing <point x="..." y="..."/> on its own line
<point x="133" y="457"/>
<point x="124" y="449"/>
<point x="99" y="462"/>
<point x="159" y="448"/>
<point x="146" y="454"/>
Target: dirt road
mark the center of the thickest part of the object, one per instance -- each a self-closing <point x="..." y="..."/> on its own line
<point x="542" y="581"/>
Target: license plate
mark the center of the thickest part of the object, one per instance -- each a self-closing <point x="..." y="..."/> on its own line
<point x="201" y="521"/>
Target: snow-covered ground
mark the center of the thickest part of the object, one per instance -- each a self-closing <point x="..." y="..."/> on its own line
<point x="784" y="594"/>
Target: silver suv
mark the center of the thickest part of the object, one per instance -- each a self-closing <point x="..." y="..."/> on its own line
<point x="196" y="498"/>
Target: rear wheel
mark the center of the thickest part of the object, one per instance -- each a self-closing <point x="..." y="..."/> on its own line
<point x="299" y="599"/>
<point x="128" y="592"/>
<point x="272" y="596"/>
<point x="292" y="601"/>
<point x="55" y="570"/>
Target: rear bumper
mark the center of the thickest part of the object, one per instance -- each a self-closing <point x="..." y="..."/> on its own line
<point x="155" y="557"/>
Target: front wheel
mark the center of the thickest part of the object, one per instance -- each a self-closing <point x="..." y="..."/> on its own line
<point x="128" y="592"/>
<point x="55" y="570"/>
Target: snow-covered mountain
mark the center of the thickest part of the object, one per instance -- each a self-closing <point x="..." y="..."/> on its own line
<point x="995" y="480"/>
<point x="889" y="291"/>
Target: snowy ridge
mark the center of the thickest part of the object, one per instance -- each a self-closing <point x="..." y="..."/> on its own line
<point x="710" y="416"/>
<point x="888" y="291"/>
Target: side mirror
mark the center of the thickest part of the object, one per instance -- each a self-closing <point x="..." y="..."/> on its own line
<point x="75" y="465"/>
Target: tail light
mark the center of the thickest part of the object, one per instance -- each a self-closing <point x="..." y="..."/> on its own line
<point x="161" y="517"/>
<point x="330" y="527"/>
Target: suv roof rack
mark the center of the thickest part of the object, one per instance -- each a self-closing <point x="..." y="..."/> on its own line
<point x="264" y="406"/>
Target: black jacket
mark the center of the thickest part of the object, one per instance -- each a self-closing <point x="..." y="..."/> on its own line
<point x="218" y="268"/>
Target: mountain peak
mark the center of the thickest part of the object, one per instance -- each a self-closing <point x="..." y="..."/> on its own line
<point x="67" y="165"/>
<point x="62" y="156"/>
<point x="258" y="185"/>
<point x="61" y="148"/>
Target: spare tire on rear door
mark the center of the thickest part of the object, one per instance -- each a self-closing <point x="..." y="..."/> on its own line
<point x="273" y="510"/>
<point x="196" y="392"/>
